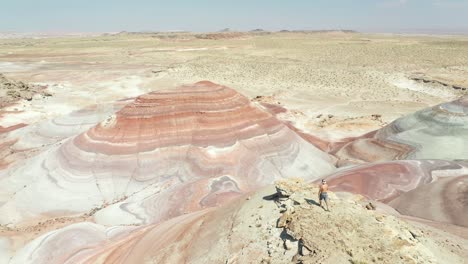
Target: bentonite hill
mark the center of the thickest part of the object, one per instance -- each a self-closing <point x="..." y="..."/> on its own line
<point x="209" y="148"/>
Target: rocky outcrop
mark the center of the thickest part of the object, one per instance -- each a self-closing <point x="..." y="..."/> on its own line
<point x="434" y="81"/>
<point x="348" y="232"/>
<point x="11" y="91"/>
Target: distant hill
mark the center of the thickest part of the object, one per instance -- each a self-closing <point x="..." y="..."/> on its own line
<point x="320" y="31"/>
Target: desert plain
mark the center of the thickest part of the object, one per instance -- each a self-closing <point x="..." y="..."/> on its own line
<point x="347" y="75"/>
<point x="164" y="148"/>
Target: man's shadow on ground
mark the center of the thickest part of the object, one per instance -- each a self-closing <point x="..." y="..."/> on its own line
<point x="313" y="202"/>
<point x="275" y="196"/>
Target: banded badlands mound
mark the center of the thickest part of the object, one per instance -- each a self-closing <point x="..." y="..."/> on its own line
<point x="430" y="180"/>
<point x="204" y="142"/>
<point x="439" y="132"/>
<point x="166" y="154"/>
<point x="184" y="176"/>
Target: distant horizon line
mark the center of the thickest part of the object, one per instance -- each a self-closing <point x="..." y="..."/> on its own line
<point x="430" y="31"/>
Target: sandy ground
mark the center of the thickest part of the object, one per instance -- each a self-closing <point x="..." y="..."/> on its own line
<point x="331" y="83"/>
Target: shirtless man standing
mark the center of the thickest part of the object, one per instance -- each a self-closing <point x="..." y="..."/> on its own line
<point x="323" y="195"/>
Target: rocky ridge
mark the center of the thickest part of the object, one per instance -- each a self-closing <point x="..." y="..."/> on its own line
<point x="11" y="91"/>
<point x="353" y="231"/>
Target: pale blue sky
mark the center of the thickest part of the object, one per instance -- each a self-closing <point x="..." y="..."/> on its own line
<point x="213" y="15"/>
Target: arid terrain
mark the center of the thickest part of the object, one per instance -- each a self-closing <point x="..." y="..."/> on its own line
<point x="167" y="148"/>
<point x="349" y="76"/>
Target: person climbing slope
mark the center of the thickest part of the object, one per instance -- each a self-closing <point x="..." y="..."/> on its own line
<point x="323" y="193"/>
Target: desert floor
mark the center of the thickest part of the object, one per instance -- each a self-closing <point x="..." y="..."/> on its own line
<point x="334" y="84"/>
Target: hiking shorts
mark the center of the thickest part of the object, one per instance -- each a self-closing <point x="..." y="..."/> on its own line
<point x="324" y="196"/>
